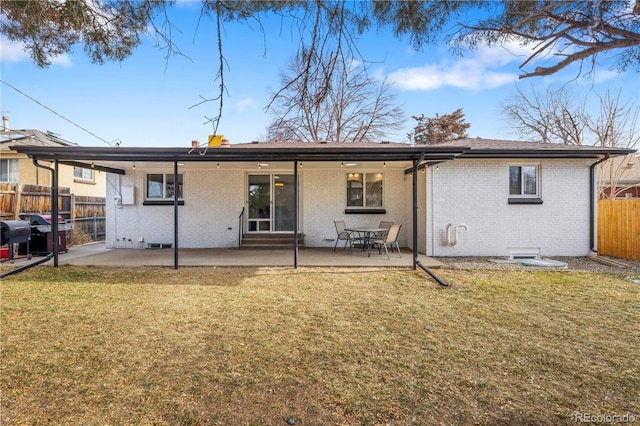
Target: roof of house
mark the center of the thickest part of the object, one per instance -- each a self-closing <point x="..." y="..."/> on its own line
<point x="30" y="137"/>
<point x="625" y="169"/>
<point x="495" y="148"/>
<point x="318" y="152"/>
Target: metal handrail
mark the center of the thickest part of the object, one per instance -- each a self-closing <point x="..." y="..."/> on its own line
<point x="240" y="227"/>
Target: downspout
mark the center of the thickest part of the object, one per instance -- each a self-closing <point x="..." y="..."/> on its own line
<point x="416" y="260"/>
<point x="592" y="203"/>
<point x="54" y="208"/>
<point x="54" y="213"/>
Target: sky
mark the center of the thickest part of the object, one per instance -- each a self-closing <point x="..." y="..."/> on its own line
<point x="151" y="101"/>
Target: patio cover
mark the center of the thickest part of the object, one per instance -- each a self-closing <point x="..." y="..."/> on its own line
<point x="118" y="159"/>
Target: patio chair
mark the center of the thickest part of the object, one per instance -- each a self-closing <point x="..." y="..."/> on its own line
<point x="389" y="240"/>
<point x="386" y="225"/>
<point x="344" y="235"/>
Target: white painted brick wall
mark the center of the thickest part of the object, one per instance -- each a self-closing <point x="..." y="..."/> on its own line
<point x="475" y="192"/>
<point x="213" y="201"/>
<point x="324" y="200"/>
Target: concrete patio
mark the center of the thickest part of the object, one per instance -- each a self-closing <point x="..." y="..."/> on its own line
<point x="96" y="254"/>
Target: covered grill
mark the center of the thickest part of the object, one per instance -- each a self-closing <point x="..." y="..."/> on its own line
<point x="15" y="232"/>
<point x="42" y="234"/>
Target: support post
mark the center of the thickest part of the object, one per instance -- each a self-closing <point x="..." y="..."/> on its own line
<point x="295" y="214"/>
<point x="175" y="215"/>
<point x="414" y="176"/>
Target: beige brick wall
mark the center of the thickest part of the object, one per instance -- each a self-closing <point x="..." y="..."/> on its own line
<point x="29" y="174"/>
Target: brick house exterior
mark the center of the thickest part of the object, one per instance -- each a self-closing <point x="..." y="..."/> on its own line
<point x="474" y="197"/>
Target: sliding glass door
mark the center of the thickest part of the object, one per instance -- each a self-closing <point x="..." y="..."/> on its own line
<point x="271" y="203"/>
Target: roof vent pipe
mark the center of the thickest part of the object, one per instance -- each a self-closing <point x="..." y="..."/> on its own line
<point x="5" y="123"/>
<point x="195" y="144"/>
<point x="225" y="142"/>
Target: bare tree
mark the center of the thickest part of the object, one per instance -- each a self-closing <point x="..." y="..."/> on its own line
<point x="336" y="100"/>
<point x="441" y="128"/>
<point x="555" y="116"/>
<point x="617" y="125"/>
<point x="559" y="116"/>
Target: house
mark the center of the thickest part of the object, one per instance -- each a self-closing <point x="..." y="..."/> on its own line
<point x="470" y="197"/>
<point x="624" y="173"/>
<point x="18" y="168"/>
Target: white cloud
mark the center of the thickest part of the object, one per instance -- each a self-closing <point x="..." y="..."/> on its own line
<point x="602" y="75"/>
<point x="63" y="60"/>
<point x="243" y="104"/>
<point x="13" y="52"/>
<point x="480" y="69"/>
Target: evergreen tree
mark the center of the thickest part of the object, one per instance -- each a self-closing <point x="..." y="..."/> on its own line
<point x="441" y="128"/>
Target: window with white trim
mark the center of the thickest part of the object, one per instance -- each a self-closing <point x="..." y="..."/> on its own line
<point x="160" y="186"/>
<point x="83" y="174"/>
<point x="365" y="189"/>
<point x="524" y="184"/>
<point x="9" y="170"/>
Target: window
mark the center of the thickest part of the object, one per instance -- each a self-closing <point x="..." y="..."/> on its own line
<point x="160" y="186"/>
<point x="524" y="186"/>
<point x="364" y="189"/>
<point x="9" y="170"/>
<point x="82" y="173"/>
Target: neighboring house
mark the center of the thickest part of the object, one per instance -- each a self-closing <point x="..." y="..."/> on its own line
<point x="18" y="168"/>
<point x="624" y="174"/>
<point x="470" y="197"/>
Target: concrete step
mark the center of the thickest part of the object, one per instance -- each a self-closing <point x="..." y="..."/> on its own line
<point x="275" y="241"/>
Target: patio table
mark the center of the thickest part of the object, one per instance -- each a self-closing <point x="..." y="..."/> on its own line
<point x="368" y="234"/>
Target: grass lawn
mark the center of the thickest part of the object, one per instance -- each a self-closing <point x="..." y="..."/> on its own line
<point x="200" y="346"/>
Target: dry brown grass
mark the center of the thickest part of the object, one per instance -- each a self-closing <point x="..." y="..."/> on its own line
<point x="202" y="346"/>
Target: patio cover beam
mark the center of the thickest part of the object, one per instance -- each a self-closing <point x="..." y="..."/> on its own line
<point x="95" y="154"/>
<point x="94" y="167"/>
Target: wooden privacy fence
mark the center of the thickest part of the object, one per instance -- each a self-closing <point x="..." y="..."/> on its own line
<point x="86" y="213"/>
<point x="619" y="228"/>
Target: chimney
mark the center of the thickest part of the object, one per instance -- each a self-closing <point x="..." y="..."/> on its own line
<point x="225" y="142"/>
<point x="5" y="123"/>
<point x="195" y="144"/>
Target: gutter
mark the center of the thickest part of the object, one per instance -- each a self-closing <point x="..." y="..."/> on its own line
<point x="592" y="203"/>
